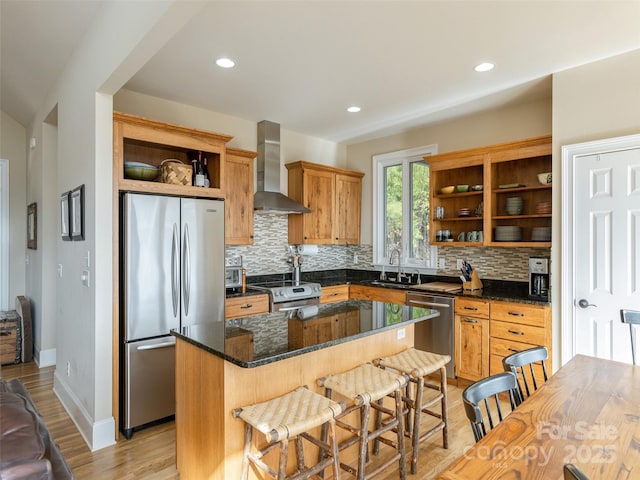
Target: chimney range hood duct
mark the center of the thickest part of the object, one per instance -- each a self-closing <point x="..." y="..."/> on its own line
<point x="268" y="198"/>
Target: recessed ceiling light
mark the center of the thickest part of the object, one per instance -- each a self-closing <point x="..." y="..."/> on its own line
<point x="353" y="109"/>
<point x="225" y="62"/>
<point x="484" y="67"/>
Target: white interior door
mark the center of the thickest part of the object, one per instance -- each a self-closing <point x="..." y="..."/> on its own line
<point x="606" y="251"/>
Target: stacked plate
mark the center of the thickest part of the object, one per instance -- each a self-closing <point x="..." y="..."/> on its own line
<point x="543" y="208"/>
<point x="464" y="212"/>
<point x="508" y="233"/>
<point x="541" y="234"/>
<point x="514" y="205"/>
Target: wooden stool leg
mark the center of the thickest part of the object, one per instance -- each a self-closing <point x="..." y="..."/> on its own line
<point x="417" y="413"/>
<point x="400" y="420"/>
<point x="282" y="467"/>
<point x="333" y="438"/>
<point x="300" y="453"/>
<point x="364" y="440"/>
<point x="445" y="415"/>
<point x="409" y="403"/>
<point x="247" y="450"/>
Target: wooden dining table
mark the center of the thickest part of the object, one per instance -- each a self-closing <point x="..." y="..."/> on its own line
<point x="587" y="413"/>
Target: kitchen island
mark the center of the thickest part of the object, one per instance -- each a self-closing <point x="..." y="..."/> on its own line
<point x="265" y="356"/>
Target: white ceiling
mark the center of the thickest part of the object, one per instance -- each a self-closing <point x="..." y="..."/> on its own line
<point x="301" y="63"/>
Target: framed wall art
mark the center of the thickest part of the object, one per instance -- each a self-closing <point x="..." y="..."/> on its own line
<point x="76" y="213"/>
<point x="64" y="216"/>
<point x="32" y="226"/>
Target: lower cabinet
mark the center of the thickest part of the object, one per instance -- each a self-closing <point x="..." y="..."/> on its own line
<point x="516" y="327"/>
<point x="471" y="335"/>
<point x="235" y="307"/>
<point x="334" y="293"/>
<point x="487" y="331"/>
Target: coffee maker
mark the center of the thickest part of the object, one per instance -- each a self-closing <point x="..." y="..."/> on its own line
<point x="539" y="278"/>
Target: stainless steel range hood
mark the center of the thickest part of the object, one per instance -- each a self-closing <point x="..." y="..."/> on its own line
<point x="268" y="198"/>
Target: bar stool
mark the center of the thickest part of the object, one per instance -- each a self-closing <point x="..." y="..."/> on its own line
<point x="418" y="364"/>
<point x="367" y="386"/>
<point x="289" y="418"/>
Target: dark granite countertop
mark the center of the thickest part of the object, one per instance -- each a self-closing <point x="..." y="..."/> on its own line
<point x="503" y="290"/>
<point x="276" y="336"/>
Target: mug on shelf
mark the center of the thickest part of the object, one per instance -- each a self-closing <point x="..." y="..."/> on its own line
<point x="472" y="236"/>
<point x="461" y="237"/>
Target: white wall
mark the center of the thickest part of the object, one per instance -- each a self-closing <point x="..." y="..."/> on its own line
<point x="83" y="314"/>
<point x="596" y="101"/>
<point x="13" y="146"/>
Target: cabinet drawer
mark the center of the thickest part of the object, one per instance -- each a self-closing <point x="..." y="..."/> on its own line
<point x="504" y="347"/>
<point x="517" y="332"/>
<point x="245" y="306"/>
<point x="475" y="308"/>
<point x="536" y="315"/>
<point x="334" y="293"/>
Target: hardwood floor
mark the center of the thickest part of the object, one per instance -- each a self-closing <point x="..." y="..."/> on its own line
<point x="150" y="454"/>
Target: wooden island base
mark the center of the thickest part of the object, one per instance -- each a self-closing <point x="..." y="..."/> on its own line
<point x="209" y="440"/>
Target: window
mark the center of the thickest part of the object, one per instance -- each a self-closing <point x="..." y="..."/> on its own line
<point x="401" y="207"/>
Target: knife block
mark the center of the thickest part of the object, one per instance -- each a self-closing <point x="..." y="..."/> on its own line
<point x="474" y="284"/>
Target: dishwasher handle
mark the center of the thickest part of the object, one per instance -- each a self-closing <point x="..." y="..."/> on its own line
<point x="421" y="303"/>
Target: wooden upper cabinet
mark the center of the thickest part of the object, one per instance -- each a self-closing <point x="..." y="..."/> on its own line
<point x="498" y="172"/>
<point x="137" y="139"/>
<point x="334" y="197"/>
<point x="238" y="188"/>
<point x="348" y="208"/>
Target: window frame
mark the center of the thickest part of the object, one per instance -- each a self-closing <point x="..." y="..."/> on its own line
<point x="379" y="162"/>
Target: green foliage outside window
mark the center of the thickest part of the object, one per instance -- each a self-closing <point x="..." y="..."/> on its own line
<point x="418" y="206"/>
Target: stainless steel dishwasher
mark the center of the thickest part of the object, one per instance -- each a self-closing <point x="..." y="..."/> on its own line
<point x="436" y="334"/>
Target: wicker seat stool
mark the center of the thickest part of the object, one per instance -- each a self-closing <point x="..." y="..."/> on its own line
<point x="418" y="365"/>
<point x="366" y="386"/>
<point x="289" y="418"/>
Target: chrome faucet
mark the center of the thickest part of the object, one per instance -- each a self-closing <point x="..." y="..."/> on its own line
<point x="295" y="260"/>
<point x="396" y="252"/>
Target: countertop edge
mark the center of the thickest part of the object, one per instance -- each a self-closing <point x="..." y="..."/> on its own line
<point x="298" y="352"/>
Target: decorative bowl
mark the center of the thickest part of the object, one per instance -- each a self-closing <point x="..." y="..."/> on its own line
<point x="544" y="178"/>
<point x="448" y="189"/>
<point x="462" y="188"/>
<point x="477" y="188"/>
<point x="140" y="171"/>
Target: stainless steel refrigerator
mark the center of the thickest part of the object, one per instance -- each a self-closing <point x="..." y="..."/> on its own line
<point x="172" y="275"/>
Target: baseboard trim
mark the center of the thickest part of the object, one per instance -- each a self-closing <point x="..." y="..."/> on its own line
<point x="45" y="358"/>
<point x="96" y="435"/>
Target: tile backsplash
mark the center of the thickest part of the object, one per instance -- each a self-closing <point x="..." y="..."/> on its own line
<point x="268" y="255"/>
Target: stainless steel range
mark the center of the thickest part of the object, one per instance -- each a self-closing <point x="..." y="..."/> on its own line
<point x="288" y="295"/>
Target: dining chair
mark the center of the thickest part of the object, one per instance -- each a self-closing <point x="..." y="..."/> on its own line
<point x="479" y="393"/>
<point x="632" y="317"/>
<point x="524" y="365"/>
<point x="571" y="472"/>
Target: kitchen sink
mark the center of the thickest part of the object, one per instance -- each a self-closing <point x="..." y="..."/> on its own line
<point x="389" y="283"/>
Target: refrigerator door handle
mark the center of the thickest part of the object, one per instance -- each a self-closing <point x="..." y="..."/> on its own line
<point x="175" y="271"/>
<point x="156" y="346"/>
<point x="186" y="269"/>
